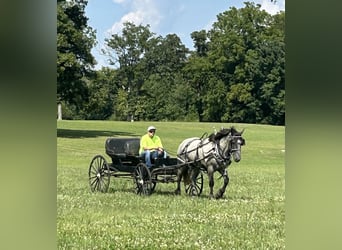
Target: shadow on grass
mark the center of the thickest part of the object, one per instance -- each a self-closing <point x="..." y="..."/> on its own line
<point x="164" y="193"/>
<point x="172" y="193"/>
<point x="71" y="133"/>
<point x="126" y="190"/>
<point x="203" y="195"/>
<point x="121" y="190"/>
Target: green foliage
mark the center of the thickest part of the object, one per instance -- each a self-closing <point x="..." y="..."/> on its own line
<point x="122" y="104"/>
<point x="235" y="74"/>
<point x="75" y="40"/>
<point x="240" y="103"/>
<point x="200" y="42"/>
<point x="198" y="72"/>
<point x="250" y="216"/>
<point x="214" y="101"/>
<point x="248" y="43"/>
<point x="129" y="49"/>
<point x="71" y="112"/>
<point x="102" y="92"/>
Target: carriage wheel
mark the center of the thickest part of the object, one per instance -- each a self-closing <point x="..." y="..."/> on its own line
<point x="142" y="180"/>
<point x="99" y="174"/>
<point x="195" y="189"/>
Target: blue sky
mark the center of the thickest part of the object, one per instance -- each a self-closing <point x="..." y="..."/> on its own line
<point x="180" y="17"/>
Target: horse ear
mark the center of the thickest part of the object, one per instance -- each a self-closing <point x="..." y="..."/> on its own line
<point x="242" y="131"/>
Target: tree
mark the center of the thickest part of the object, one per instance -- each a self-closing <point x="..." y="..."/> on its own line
<point x="272" y="92"/>
<point x="75" y="40"/>
<point x="128" y="51"/>
<point x="102" y="95"/>
<point x="235" y="74"/>
<point x="165" y="55"/>
<point x="246" y="49"/>
<point x="163" y="62"/>
<point x="147" y="69"/>
<point x="198" y="72"/>
<point x="200" y="39"/>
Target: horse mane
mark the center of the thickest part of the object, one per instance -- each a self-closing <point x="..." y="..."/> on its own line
<point x="223" y="132"/>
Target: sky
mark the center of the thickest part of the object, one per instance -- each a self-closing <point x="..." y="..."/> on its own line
<point x="180" y="17"/>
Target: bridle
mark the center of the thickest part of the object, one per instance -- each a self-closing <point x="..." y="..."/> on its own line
<point x="236" y="140"/>
<point x="223" y="158"/>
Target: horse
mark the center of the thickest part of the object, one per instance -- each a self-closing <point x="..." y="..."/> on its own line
<point x="210" y="154"/>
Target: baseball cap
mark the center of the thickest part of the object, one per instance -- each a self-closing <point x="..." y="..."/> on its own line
<point x="151" y="128"/>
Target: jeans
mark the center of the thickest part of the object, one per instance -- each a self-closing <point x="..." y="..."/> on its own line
<point x="148" y="155"/>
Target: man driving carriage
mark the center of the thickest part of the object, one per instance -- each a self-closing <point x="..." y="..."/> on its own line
<point x="151" y="146"/>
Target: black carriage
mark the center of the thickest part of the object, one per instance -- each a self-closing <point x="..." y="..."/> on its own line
<point x="126" y="163"/>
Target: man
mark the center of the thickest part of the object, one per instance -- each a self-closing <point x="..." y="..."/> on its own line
<point x="151" y="146"/>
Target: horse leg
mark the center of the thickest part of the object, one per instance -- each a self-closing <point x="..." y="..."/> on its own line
<point x="211" y="183"/>
<point x="195" y="191"/>
<point x="221" y="191"/>
<point x="179" y="179"/>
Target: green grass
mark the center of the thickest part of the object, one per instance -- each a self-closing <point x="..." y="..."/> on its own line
<point x="251" y="214"/>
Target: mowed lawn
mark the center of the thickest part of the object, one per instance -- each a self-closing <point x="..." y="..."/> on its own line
<point x="251" y="214"/>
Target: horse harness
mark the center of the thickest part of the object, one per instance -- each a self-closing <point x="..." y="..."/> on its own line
<point x="215" y="152"/>
<point x="218" y="151"/>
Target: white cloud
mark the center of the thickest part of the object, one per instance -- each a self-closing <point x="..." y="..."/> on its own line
<point x="273" y="7"/>
<point x="119" y="1"/>
<point x="141" y="12"/>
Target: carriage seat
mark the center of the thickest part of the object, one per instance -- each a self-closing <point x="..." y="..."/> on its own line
<point x="126" y="150"/>
<point x="122" y="147"/>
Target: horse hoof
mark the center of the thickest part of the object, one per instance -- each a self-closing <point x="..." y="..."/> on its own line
<point x="218" y="196"/>
<point x="177" y="192"/>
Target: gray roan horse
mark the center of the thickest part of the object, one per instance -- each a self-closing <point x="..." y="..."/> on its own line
<point x="209" y="154"/>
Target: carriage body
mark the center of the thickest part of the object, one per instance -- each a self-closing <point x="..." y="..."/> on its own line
<point x="127" y="163"/>
<point x="124" y="153"/>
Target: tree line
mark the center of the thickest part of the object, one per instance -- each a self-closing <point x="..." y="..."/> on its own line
<point x="235" y="73"/>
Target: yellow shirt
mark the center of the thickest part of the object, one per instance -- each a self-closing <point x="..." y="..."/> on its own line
<point x="147" y="142"/>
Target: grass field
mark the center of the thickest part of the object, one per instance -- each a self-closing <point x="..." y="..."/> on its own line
<point x="251" y="214"/>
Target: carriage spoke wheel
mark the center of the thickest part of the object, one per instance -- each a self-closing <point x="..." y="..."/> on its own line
<point x="99" y="174"/>
<point x="142" y="180"/>
<point x="196" y="188"/>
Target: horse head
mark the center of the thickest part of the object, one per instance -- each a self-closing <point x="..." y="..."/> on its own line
<point x="229" y="141"/>
<point x="236" y="141"/>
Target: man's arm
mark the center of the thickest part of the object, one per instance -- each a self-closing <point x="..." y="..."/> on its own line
<point x="159" y="144"/>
